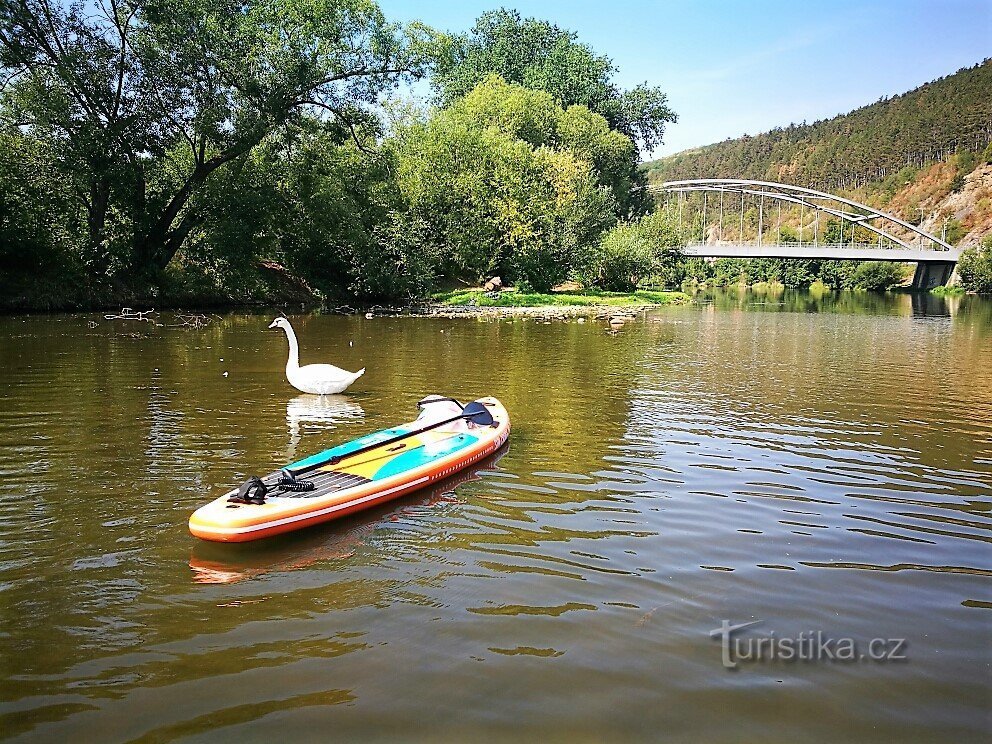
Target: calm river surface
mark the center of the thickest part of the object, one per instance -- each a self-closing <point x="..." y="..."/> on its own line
<point x="818" y="465"/>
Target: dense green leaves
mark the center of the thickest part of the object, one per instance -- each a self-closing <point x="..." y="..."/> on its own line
<point x="171" y="148"/>
<point x="796" y="273"/>
<point x="144" y="102"/>
<point x="633" y="251"/>
<point x="975" y="268"/>
<point x="501" y="181"/>
<point x="541" y="56"/>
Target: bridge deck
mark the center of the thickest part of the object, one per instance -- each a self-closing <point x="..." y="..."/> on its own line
<point x="855" y="252"/>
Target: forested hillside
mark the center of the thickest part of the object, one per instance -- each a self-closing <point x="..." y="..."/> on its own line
<point x="924" y="156"/>
<point x="925" y="125"/>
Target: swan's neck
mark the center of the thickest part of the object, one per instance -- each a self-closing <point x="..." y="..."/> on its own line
<point x="294" y="349"/>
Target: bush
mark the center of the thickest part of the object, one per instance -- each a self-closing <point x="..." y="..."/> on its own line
<point x="954" y="231"/>
<point x="975" y="268"/>
<point x="799" y="273"/>
<point x="876" y="276"/>
<point x="633" y="251"/>
<point x="504" y="191"/>
<point x="624" y="259"/>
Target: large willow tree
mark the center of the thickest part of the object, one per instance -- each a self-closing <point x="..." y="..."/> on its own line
<point x="140" y="102"/>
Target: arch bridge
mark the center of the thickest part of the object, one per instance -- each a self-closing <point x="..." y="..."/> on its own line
<point x="871" y="235"/>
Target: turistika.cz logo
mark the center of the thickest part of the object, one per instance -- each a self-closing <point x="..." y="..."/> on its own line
<point x="808" y="646"/>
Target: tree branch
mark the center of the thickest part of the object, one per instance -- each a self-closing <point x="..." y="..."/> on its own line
<point x="361" y="72"/>
<point x="342" y="118"/>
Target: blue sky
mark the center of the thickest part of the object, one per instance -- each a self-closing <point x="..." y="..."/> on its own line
<point x="731" y="68"/>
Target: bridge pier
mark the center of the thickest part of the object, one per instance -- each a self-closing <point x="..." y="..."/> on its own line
<point x="930" y="274"/>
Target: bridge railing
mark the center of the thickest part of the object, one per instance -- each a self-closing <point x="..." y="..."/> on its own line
<point x="817" y="245"/>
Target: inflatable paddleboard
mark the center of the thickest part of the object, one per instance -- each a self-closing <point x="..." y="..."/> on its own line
<point x="359" y="474"/>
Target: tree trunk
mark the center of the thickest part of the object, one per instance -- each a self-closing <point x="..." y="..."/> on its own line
<point x="157" y="247"/>
<point x="96" y="219"/>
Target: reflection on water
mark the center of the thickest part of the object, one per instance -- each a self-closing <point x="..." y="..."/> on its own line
<point x="776" y="298"/>
<point x="319" y="412"/>
<point x="815" y="463"/>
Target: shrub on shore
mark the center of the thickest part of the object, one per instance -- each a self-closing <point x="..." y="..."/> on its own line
<point x="975" y="268"/>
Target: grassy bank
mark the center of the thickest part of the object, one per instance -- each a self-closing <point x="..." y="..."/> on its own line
<point x="952" y="291"/>
<point x="583" y="298"/>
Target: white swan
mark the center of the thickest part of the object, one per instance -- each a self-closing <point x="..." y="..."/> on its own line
<point x="320" y="379"/>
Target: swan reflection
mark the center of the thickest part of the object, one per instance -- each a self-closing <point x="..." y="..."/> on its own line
<point x="320" y="412"/>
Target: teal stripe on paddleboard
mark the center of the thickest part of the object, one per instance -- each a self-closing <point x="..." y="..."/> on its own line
<point x="424" y="454"/>
<point x="344" y="449"/>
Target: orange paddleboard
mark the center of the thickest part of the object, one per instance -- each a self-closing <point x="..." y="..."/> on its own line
<point x="344" y="483"/>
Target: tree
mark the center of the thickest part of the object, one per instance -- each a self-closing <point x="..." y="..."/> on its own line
<point x="145" y="101"/>
<point x="536" y="118"/>
<point x="975" y="268"/>
<point x="35" y="224"/>
<point x="876" y="276"/>
<point x="542" y="56"/>
<point x="497" y="183"/>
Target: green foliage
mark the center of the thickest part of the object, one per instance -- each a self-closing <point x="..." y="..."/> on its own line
<point x="37" y="221"/>
<point x="501" y="184"/>
<point x="876" y="276"/>
<point x="541" y="56"/>
<point x="799" y="273"/>
<point x="965" y="161"/>
<point x="975" y="268"/>
<point x="144" y="103"/>
<point x="788" y="234"/>
<point x="624" y="259"/>
<point x="587" y="298"/>
<point x="837" y="274"/>
<point x="633" y="251"/>
<point x="195" y="150"/>
<point x="954" y="231"/>
<point x="794" y="273"/>
<point x="945" y="291"/>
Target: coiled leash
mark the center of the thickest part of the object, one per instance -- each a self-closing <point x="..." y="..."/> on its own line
<point x="254" y="490"/>
<point x="290" y="482"/>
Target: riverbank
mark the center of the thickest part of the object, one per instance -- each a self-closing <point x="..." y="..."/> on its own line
<point x="570" y="304"/>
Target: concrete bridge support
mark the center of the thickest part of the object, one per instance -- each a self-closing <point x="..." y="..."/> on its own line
<point x="930" y="274"/>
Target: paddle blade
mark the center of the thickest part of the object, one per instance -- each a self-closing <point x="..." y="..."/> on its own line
<point x="478" y="414"/>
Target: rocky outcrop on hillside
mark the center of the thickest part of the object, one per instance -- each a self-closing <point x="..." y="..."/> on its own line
<point x="960" y="209"/>
<point x="971" y="207"/>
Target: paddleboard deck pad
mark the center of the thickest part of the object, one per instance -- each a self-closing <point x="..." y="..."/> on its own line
<point x="356" y="475"/>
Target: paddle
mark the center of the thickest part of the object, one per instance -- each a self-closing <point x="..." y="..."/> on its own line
<point x="254" y="489"/>
<point x="475" y="412"/>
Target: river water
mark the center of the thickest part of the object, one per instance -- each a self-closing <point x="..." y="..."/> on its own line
<point x="821" y="466"/>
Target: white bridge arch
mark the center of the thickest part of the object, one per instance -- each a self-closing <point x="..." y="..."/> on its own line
<point x="935" y="257"/>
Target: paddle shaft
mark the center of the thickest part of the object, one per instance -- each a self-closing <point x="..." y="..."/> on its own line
<point x="406" y="435"/>
<point x="473" y="410"/>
